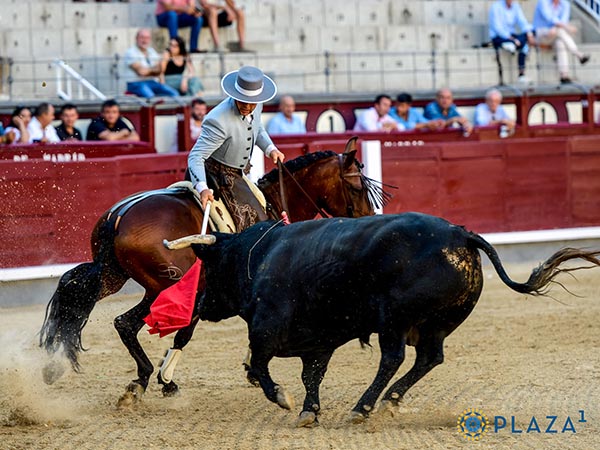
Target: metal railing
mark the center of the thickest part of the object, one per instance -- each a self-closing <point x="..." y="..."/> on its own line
<point x="592" y="7"/>
<point x="67" y="76"/>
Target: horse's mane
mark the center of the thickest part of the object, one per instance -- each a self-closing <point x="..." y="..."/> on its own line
<point x="294" y="165"/>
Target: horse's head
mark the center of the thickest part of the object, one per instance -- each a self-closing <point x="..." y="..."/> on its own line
<point x="325" y="182"/>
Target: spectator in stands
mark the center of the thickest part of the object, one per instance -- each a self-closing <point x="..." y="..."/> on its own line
<point x="492" y="113"/>
<point x="40" y="127"/>
<point x="377" y="117"/>
<point x="229" y="133"/>
<point x="222" y="13"/>
<point x="285" y="121"/>
<point x="16" y="131"/>
<point x="510" y="30"/>
<point x="199" y="109"/>
<point x="177" y="69"/>
<point x="552" y="29"/>
<point x="143" y="68"/>
<point x="444" y="111"/>
<point x="411" y="118"/>
<point x="66" y="130"/>
<point x="110" y="126"/>
<point x="175" y="14"/>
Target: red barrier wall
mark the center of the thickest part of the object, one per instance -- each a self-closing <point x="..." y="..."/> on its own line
<point x="47" y="209"/>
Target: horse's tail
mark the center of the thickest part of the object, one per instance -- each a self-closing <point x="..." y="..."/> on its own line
<point x="544" y="274"/>
<point x="76" y="295"/>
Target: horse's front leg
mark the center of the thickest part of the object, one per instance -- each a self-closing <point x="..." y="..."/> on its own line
<point x="128" y="325"/>
<point x="169" y="362"/>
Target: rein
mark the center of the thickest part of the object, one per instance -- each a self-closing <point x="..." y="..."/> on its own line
<point x="282" y="167"/>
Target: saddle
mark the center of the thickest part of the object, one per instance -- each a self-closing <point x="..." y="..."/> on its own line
<point x="219" y="218"/>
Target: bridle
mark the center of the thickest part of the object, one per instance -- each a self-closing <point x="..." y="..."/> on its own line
<point x="343" y="177"/>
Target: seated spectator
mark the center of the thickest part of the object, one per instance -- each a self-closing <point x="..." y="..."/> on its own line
<point x="199" y="110"/>
<point x="510" y="30"/>
<point x="411" y="118"/>
<point x="444" y="111"/>
<point x="175" y="14"/>
<point x="66" y="130"/>
<point x="40" y="127"/>
<point x="177" y="69"/>
<point x="377" y="117"/>
<point x="16" y="131"/>
<point x="492" y="113"/>
<point x="552" y="29"/>
<point x="285" y="121"/>
<point x="222" y="13"/>
<point x="110" y="126"/>
<point x="143" y="67"/>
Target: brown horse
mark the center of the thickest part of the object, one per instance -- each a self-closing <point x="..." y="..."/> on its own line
<point x="130" y="245"/>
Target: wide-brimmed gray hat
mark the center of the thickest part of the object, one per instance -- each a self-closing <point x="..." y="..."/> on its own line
<point x="249" y="85"/>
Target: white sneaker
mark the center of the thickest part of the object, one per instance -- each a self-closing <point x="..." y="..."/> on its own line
<point x="524" y="80"/>
<point x="509" y="47"/>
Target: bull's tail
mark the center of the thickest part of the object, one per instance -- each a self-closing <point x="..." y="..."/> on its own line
<point x="544" y="274"/>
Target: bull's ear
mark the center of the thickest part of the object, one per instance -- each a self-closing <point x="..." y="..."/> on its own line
<point x="351" y="144"/>
<point x="349" y="159"/>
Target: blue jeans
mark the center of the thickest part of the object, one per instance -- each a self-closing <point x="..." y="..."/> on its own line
<point x="522" y="47"/>
<point x="150" y="88"/>
<point x="172" y="21"/>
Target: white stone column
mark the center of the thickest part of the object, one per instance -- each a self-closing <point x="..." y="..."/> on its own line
<point x="371" y="158"/>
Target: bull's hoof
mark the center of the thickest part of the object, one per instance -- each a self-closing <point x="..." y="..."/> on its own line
<point x="52" y="371"/>
<point x="357" y="417"/>
<point x="307" y="419"/>
<point x="285" y="400"/>
<point x="387" y="408"/>
<point x="170" y="390"/>
<point x="131" y="397"/>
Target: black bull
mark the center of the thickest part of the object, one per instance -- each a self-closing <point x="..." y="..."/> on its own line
<point x="308" y="288"/>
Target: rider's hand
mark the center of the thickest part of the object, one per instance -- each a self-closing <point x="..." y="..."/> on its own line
<point x="205" y="196"/>
<point x="276" y="155"/>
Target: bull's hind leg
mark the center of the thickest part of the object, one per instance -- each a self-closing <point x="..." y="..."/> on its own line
<point x="392" y="344"/>
<point x="430" y="353"/>
<point x="128" y="325"/>
<point x="313" y="371"/>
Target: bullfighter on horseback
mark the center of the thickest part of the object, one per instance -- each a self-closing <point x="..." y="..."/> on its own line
<point x="223" y="151"/>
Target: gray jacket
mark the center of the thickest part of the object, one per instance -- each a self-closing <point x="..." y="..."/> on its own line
<point x="228" y="138"/>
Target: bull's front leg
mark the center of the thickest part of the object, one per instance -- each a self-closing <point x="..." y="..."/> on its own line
<point x="314" y="367"/>
<point x="128" y="325"/>
<point x="262" y="347"/>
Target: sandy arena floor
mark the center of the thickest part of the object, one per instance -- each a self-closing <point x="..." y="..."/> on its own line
<point x="515" y="356"/>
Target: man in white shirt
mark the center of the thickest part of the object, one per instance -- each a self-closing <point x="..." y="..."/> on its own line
<point x="492" y="113"/>
<point x="143" y="67"/>
<point x="40" y="127"/>
<point x="377" y="118"/>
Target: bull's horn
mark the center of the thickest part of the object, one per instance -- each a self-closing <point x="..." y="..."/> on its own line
<point x="186" y="241"/>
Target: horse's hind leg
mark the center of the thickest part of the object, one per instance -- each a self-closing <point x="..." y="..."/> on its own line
<point x="430" y="353"/>
<point x="128" y="325"/>
<point x="167" y="366"/>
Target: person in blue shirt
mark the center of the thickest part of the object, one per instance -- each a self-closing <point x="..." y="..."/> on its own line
<point x="552" y="29"/>
<point x="444" y="110"/>
<point x="410" y="117"/>
<point x="285" y="121"/>
<point x="492" y="113"/>
<point x="510" y="30"/>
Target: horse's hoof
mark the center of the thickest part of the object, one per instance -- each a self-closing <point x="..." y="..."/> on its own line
<point x="307" y="419"/>
<point x="285" y="400"/>
<point x="131" y="397"/>
<point x="356" y="417"/>
<point x="170" y="390"/>
<point x="52" y="371"/>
